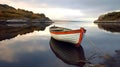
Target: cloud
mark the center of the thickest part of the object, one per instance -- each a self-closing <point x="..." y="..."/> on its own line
<point x="76" y="4"/>
<point x="57" y="13"/>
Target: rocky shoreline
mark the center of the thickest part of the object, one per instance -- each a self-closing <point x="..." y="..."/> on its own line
<point x="24" y="22"/>
<point x="106" y="21"/>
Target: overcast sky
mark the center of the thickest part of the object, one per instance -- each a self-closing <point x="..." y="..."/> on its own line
<point x="67" y="9"/>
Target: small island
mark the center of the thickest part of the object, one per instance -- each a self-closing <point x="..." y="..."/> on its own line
<point x="19" y="17"/>
<point x="109" y="22"/>
<point x="109" y="18"/>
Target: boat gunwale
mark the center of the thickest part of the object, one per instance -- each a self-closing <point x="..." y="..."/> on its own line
<point x="66" y="32"/>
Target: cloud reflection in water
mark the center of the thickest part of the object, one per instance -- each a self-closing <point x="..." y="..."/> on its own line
<point x="11" y="49"/>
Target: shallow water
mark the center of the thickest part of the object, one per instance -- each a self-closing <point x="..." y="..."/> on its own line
<point x="33" y="49"/>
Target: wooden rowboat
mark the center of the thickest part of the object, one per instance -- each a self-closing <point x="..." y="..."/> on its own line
<point x="67" y="35"/>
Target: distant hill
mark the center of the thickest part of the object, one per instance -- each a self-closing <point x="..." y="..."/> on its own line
<point x="8" y="12"/>
<point x="109" y="17"/>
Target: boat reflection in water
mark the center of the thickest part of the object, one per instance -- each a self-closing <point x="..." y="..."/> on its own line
<point x="68" y="53"/>
<point x="111" y="27"/>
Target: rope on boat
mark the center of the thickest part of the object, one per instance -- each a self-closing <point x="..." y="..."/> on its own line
<point x="106" y="56"/>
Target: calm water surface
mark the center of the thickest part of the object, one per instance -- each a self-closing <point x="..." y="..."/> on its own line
<point x="33" y="49"/>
